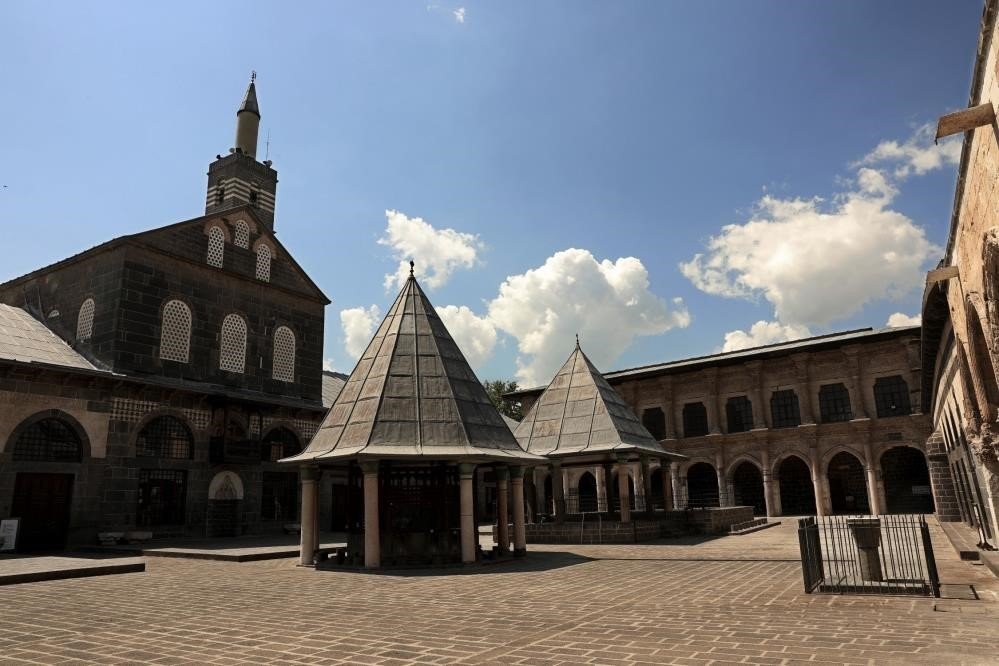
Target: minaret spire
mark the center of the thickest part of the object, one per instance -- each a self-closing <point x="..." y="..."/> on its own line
<point x="248" y="120"/>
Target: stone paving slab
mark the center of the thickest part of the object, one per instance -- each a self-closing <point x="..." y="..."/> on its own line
<point x="29" y="569"/>
<point x="241" y="549"/>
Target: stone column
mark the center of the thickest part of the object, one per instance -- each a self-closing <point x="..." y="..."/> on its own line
<point x="372" y="537"/>
<point x="502" y="509"/>
<point x="818" y="487"/>
<point x="875" y="500"/>
<point x="768" y="484"/>
<point x="646" y="482"/>
<point x="309" y="524"/>
<point x="622" y="490"/>
<point x="723" y="499"/>
<point x="466" y="472"/>
<point x="674" y="477"/>
<point x="519" y="533"/>
<point x="558" y="490"/>
<point x="664" y="472"/>
<point x="601" y="475"/>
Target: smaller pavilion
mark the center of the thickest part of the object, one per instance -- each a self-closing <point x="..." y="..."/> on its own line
<point x="407" y="431"/>
<point x="581" y="421"/>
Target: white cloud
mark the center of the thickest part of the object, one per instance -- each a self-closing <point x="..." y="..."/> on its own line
<point x="899" y="319"/>
<point x="328" y="365"/>
<point x="358" y="326"/>
<point x="437" y="252"/>
<point x="475" y="335"/>
<point x="917" y="154"/>
<point x="817" y="262"/>
<point x="763" y="333"/>
<point x="459" y="14"/>
<point x="608" y="303"/>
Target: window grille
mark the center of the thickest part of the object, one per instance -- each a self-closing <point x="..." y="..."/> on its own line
<point x="85" y="320"/>
<point x="232" y="354"/>
<point x="739" y="413"/>
<point x="891" y="396"/>
<point x="175" y="332"/>
<point x="279" y="443"/>
<point x="695" y="420"/>
<point x="834" y="403"/>
<point x="241" y="237"/>
<point x="264" y="263"/>
<point x="784" y="409"/>
<point x="48" y="440"/>
<point x="655" y="422"/>
<point x="165" y="437"/>
<point x="216" y="246"/>
<point x="284" y="355"/>
<point x="162" y="497"/>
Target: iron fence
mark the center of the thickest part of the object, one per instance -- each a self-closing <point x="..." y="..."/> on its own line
<point x="868" y="555"/>
<point x="576" y="504"/>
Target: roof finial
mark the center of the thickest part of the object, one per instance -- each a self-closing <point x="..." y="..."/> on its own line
<point x="411" y="265"/>
<point x="253" y="75"/>
<point x="577" y="340"/>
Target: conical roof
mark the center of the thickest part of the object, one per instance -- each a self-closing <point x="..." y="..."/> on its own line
<point x="580" y="413"/>
<point x="413" y="395"/>
<point x="250" y="100"/>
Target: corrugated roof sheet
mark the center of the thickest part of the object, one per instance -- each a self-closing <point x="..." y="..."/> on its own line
<point x="23" y="338"/>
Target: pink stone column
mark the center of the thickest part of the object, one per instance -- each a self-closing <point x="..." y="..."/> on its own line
<point x="309" y="523"/>
<point x="519" y="533"/>
<point x="622" y="490"/>
<point x="466" y="472"/>
<point x="372" y="537"/>
<point x="817" y="485"/>
<point x="503" y="509"/>
<point x="873" y="491"/>
<point x="664" y="472"/>
<point x="674" y="478"/>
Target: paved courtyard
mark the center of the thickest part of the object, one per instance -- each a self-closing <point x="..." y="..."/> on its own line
<point x="730" y="600"/>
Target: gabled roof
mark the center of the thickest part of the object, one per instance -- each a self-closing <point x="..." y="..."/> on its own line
<point x="413" y="396"/>
<point x="23" y="338"/>
<point x="580" y="413"/>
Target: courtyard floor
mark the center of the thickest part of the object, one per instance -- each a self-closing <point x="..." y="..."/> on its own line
<point x="728" y="600"/>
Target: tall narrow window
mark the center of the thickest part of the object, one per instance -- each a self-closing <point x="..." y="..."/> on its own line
<point x="784" y="409"/>
<point x="85" y="321"/>
<point x="175" y="332"/>
<point x="219" y="192"/>
<point x="695" y="420"/>
<point x="216" y="246"/>
<point x="739" y="411"/>
<point x="655" y="422"/>
<point x="232" y="352"/>
<point x="891" y="396"/>
<point x="834" y="403"/>
<point x="241" y="235"/>
<point x="263" y="263"/>
<point x="284" y="354"/>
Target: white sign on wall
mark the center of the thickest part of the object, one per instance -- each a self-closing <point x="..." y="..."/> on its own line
<point x="8" y="534"/>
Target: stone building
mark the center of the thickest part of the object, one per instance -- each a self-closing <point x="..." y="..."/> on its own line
<point x="150" y="383"/>
<point x="961" y="307"/>
<point x="830" y="424"/>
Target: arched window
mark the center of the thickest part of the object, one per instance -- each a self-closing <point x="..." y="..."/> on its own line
<point x="695" y="420"/>
<point x="165" y="437"/>
<point x="175" y="332"/>
<point x="891" y="396"/>
<point x="85" y="321"/>
<point x="655" y="422"/>
<point x="241" y="237"/>
<point x="739" y="414"/>
<point x="834" y="403"/>
<point x="216" y="246"/>
<point x="263" y="263"/>
<point x="220" y="192"/>
<point x="284" y="355"/>
<point x="232" y="353"/>
<point x="784" y="409"/>
<point x="48" y="440"/>
<point x="279" y="443"/>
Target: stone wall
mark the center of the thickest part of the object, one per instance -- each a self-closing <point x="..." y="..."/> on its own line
<point x="606" y="531"/>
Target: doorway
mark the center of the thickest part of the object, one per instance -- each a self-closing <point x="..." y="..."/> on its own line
<point x="42" y="502"/>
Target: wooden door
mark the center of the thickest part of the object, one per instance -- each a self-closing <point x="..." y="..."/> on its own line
<point x="42" y="502"/>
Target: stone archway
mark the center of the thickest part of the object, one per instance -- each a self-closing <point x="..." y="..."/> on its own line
<point x="847" y="484"/>
<point x="225" y="505"/>
<point x="907" y="481"/>
<point x="702" y="486"/>
<point x="587" y="493"/>
<point x="797" y="493"/>
<point x="747" y="484"/>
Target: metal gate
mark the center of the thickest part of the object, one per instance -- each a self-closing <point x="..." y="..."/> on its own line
<point x="868" y="555"/>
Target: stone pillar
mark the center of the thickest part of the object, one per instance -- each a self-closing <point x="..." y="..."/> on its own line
<point x="818" y="487"/>
<point x="309" y="523"/>
<point x="674" y="477"/>
<point x="768" y="484"/>
<point x="723" y="498"/>
<point x="874" y="498"/>
<point x="609" y="490"/>
<point x="469" y="535"/>
<point x="502" y="508"/>
<point x="519" y="533"/>
<point x="664" y="472"/>
<point x="622" y="490"/>
<point x="601" y="475"/>
<point x="558" y="490"/>
<point x="372" y="536"/>
<point x="646" y="483"/>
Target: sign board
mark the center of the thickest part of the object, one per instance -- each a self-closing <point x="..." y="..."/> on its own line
<point x="8" y="534"/>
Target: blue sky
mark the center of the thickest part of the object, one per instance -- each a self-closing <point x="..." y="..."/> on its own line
<point x="618" y="130"/>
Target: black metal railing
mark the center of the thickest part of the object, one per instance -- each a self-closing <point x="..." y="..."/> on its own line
<point x="868" y="555"/>
<point x="576" y="504"/>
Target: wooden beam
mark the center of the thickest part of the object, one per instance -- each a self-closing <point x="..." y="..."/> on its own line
<point x="966" y="119"/>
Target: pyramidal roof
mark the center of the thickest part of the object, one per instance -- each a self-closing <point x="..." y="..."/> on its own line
<point x="250" y="99"/>
<point x="579" y="413"/>
<point x="413" y="395"/>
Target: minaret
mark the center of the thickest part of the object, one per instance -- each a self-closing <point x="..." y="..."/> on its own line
<point x="238" y="179"/>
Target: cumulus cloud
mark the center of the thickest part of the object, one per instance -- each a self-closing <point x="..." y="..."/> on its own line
<point x="438" y="253"/>
<point x="474" y="335"/>
<point x="916" y="155"/>
<point x="459" y="14"/>
<point x="899" y="319"/>
<point x="358" y="326"/>
<point x="763" y="333"/>
<point x="814" y="261"/>
<point x="608" y="303"/>
<point x="328" y="365"/>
